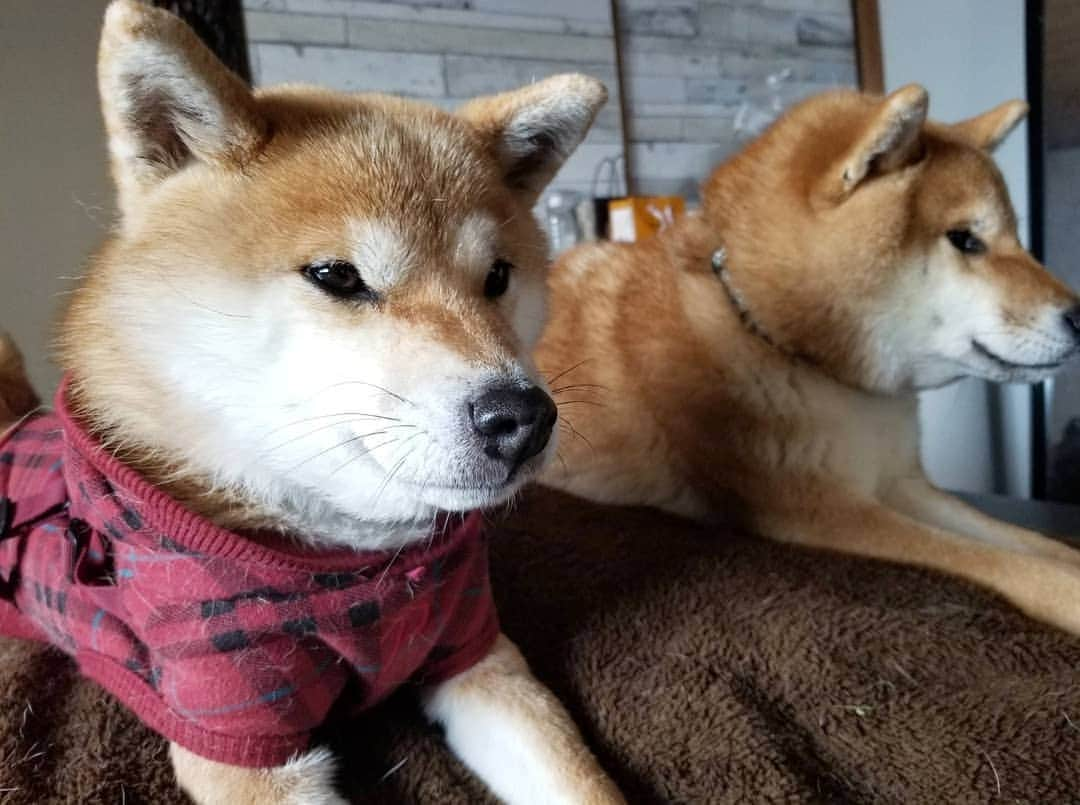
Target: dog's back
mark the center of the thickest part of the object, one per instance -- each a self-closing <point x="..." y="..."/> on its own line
<point x="759" y="360"/>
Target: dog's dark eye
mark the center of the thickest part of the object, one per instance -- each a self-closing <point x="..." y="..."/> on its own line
<point x="965" y="241"/>
<point x="498" y="279"/>
<point x="339" y="278"/>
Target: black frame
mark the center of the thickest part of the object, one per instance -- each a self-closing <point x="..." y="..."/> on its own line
<point x="1034" y="34"/>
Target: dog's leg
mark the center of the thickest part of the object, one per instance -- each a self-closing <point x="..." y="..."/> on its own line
<point x="17" y="396"/>
<point x="305" y="780"/>
<point x="921" y="500"/>
<point x="828" y="517"/>
<point x="512" y="732"/>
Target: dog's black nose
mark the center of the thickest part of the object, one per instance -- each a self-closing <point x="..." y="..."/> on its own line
<point x="1072" y="320"/>
<point x="514" y="423"/>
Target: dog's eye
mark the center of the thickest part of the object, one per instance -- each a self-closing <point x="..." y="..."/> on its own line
<point x="965" y="241"/>
<point x="498" y="279"/>
<point x="339" y="278"/>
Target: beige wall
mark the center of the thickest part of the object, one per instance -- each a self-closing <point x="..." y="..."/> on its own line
<point x="54" y="191"/>
<point x="971" y="58"/>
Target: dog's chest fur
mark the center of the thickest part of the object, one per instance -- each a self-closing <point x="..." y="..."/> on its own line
<point x="755" y="415"/>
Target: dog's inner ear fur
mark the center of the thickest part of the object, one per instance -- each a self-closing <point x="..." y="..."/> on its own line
<point x="891" y="140"/>
<point x="532" y="131"/>
<point x="168" y="101"/>
<point x="988" y="130"/>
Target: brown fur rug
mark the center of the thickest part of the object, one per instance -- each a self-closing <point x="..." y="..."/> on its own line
<point x="702" y="666"/>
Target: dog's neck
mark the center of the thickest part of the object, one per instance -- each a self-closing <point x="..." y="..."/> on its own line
<point x="290" y="512"/>
<point x="718" y="262"/>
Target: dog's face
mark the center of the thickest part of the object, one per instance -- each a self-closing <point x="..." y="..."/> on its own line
<point x="909" y="273"/>
<point x="325" y="298"/>
<point x="966" y="298"/>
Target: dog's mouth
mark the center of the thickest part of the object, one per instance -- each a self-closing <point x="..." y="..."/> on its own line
<point x="462" y="497"/>
<point x="1012" y="366"/>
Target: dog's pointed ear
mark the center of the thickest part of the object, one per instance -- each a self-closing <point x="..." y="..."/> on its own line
<point x="988" y="130"/>
<point x="890" y="140"/>
<point x="167" y="101"/>
<point x="532" y="130"/>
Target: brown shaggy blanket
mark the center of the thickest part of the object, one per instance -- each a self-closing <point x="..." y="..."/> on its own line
<point x="702" y="667"/>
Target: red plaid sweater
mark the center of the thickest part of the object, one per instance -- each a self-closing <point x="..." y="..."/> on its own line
<point x="233" y="649"/>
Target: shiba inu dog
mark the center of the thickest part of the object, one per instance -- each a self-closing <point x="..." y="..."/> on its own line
<point x="299" y="361"/>
<point x="759" y="360"/>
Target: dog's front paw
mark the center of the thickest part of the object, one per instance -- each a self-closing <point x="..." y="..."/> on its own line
<point x="307" y="779"/>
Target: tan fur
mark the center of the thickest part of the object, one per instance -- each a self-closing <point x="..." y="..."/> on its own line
<point x="672" y="400"/>
<point x="222" y="188"/>
<point x="17" y="397"/>
<point x="210" y="783"/>
<point x="503" y="681"/>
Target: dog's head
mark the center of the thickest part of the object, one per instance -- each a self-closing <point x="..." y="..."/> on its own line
<point x="326" y="301"/>
<point x="884" y="248"/>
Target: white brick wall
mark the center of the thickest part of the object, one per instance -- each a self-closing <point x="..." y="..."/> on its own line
<point x="688" y="64"/>
<point x="444" y="51"/>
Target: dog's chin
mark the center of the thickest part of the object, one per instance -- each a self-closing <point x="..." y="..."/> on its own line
<point x="457" y="495"/>
<point x="466" y="498"/>
<point x="993" y="363"/>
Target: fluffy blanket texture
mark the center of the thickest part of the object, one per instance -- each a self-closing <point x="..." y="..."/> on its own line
<point x="702" y="666"/>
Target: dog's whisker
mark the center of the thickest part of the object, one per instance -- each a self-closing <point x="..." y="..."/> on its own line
<point x="201" y="305"/>
<point x="561" y="403"/>
<point x="581" y="386"/>
<point x="385" y="429"/>
<point x="366" y="452"/>
<point x="574" y="431"/>
<point x="394" y="471"/>
<point x="559" y="455"/>
<point x="350" y="440"/>
<point x="358" y="415"/>
<point x="351" y="459"/>
<point x="551" y="380"/>
<point x="375" y="386"/>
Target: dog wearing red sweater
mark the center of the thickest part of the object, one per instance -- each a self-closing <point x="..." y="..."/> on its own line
<point x="293" y="375"/>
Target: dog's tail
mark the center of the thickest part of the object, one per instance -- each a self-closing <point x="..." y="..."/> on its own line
<point x="17" y="396"/>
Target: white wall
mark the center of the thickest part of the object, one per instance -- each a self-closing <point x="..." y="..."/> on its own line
<point x="688" y="65"/>
<point x="54" y="192"/>
<point x="970" y="55"/>
<point x="1063" y="257"/>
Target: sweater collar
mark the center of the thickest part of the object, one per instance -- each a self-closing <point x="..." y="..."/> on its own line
<point x="115" y="499"/>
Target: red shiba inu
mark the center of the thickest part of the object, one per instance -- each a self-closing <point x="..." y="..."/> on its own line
<point x="298" y="363"/>
<point x="759" y="360"/>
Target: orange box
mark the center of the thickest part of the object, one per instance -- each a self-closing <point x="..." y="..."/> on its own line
<point x="638" y="218"/>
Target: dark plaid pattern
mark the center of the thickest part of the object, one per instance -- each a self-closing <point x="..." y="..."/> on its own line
<point x="233" y="649"/>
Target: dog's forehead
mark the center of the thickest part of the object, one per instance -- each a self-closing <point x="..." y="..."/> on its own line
<point x="963" y="180"/>
<point x="390" y="188"/>
<point x="394" y="158"/>
<point x="389" y="248"/>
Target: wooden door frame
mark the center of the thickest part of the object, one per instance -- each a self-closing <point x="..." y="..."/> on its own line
<point x="867" y="18"/>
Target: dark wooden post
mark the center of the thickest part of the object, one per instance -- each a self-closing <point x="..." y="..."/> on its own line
<point x="867" y="18"/>
<point x="220" y="24"/>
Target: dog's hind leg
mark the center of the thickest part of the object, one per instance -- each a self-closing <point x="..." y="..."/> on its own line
<point x="825" y="516"/>
<point x="17" y="397"/>
<point x="511" y="731"/>
<point x="306" y="780"/>
<point x="921" y="500"/>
